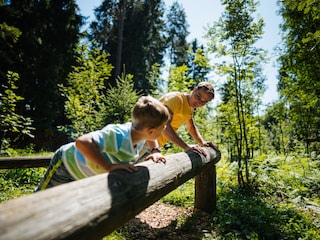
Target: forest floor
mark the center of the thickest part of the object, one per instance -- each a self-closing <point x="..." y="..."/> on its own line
<point x="168" y="222"/>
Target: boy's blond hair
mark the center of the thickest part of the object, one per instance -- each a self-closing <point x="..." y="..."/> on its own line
<point x="149" y="112"/>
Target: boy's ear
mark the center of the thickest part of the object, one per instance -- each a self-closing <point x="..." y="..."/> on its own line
<point x="148" y="130"/>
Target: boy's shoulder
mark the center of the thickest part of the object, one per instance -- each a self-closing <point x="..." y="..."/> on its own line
<point x="117" y="127"/>
<point x="172" y="95"/>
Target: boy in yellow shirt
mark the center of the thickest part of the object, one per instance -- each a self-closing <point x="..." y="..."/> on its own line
<point x="181" y="107"/>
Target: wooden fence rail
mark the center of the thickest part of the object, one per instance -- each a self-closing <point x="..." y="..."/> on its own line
<point x="92" y="208"/>
<point x="24" y="162"/>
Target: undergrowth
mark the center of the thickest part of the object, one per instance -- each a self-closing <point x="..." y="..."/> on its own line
<point x="282" y="201"/>
<point x="16" y="183"/>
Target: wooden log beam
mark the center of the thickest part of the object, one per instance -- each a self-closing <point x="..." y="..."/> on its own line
<point x="24" y="162"/>
<point x="92" y="208"/>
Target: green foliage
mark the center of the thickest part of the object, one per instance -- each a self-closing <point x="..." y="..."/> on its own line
<point x="199" y="62"/>
<point x="12" y="125"/>
<point x="182" y="196"/>
<point x="141" y="43"/>
<point x="299" y="72"/>
<point x="233" y="38"/>
<point x="204" y="119"/>
<point x="277" y="124"/>
<point x="42" y="55"/>
<point x="9" y="35"/>
<point x="89" y="104"/>
<point x="16" y="183"/>
<point x="179" y="80"/>
<point x="120" y="100"/>
<point x="177" y="32"/>
<point x="243" y="215"/>
<point x="299" y="178"/>
<point x="85" y="103"/>
<point x="284" y="203"/>
<point x="154" y="78"/>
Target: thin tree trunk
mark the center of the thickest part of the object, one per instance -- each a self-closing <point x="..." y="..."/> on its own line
<point x="122" y="14"/>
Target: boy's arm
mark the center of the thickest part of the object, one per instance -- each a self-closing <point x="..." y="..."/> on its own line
<point x="194" y="132"/>
<point x="90" y="150"/>
<point x="172" y="136"/>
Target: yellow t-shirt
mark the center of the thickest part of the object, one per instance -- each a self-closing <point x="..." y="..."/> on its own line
<point x="181" y="109"/>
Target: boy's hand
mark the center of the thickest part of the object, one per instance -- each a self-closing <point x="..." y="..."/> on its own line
<point x="202" y="151"/>
<point x="210" y="144"/>
<point x="156" y="157"/>
<point x="198" y="149"/>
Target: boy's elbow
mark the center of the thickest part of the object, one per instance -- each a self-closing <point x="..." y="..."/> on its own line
<point x="83" y="140"/>
<point x="78" y="143"/>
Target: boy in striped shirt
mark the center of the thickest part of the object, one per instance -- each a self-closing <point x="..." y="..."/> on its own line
<point x="113" y="147"/>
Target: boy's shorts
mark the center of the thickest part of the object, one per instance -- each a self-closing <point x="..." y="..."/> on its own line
<point x="56" y="173"/>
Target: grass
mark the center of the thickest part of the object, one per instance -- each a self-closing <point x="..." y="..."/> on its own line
<point x="282" y="202"/>
<point x="15" y="183"/>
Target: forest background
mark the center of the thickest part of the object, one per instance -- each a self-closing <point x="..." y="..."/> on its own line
<point x="58" y="81"/>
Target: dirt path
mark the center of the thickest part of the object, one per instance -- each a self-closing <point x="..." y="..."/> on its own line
<point x="168" y="222"/>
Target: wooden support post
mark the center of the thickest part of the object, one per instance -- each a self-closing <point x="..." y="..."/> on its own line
<point x="205" y="190"/>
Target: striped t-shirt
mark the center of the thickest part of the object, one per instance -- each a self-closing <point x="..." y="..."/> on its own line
<point x="115" y="144"/>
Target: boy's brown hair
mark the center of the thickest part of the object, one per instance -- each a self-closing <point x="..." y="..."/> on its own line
<point x="208" y="87"/>
<point x="149" y="112"/>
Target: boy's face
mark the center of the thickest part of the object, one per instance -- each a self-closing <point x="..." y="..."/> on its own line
<point x="199" y="97"/>
<point x="156" y="132"/>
